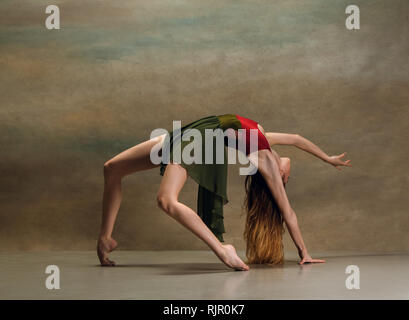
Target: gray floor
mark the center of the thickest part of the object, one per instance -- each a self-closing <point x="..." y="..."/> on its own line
<point x="199" y="275"/>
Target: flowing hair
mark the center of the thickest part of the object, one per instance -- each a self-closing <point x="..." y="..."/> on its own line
<point x="264" y="228"/>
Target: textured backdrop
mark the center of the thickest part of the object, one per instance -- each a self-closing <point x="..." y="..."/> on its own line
<point x="71" y="99"/>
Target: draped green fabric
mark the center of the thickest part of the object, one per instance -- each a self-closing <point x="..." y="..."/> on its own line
<point x="211" y="178"/>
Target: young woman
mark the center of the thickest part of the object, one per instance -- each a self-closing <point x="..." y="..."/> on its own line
<point x="266" y="200"/>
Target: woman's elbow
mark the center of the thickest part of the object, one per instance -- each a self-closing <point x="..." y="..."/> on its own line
<point x="297" y="137"/>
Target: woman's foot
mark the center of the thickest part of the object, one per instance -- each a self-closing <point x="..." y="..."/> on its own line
<point x="104" y="247"/>
<point x="230" y="258"/>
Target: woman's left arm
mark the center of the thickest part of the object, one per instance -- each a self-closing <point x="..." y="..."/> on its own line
<point x="308" y="146"/>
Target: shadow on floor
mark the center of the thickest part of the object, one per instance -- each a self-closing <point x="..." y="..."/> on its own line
<point x="179" y="268"/>
<point x="195" y="268"/>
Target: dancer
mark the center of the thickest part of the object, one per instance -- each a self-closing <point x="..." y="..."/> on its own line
<point x="266" y="201"/>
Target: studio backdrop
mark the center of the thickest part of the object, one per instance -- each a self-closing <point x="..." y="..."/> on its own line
<point x="74" y="97"/>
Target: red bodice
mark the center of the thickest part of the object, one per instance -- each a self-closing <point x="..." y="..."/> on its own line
<point x="251" y="124"/>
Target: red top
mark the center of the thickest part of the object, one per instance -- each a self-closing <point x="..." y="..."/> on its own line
<point x="251" y="124"/>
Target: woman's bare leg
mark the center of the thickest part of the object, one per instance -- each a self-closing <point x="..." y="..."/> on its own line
<point x="172" y="182"/>
<point x="129" y="161"/>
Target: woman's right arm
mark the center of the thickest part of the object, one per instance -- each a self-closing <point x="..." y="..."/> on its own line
<point x="269" y="169"/>
<point x="308" y="146"/>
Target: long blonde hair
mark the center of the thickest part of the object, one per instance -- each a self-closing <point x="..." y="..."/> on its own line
<point x="264" y="228"/>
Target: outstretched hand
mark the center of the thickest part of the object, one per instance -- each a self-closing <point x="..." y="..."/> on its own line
<point x="337" y="161"/>
<point x="307" y="259"/>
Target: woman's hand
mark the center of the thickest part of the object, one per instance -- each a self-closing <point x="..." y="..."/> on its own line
<point x="337" y="161"/>
<point x="306" y="258"/>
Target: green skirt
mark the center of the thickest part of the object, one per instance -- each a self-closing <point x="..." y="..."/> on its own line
<point x="211" y="178"/>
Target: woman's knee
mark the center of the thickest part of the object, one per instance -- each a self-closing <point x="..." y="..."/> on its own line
<point x="167" y="204"/>
<point x="111" y="168"/>
<point x="108" y="167"/>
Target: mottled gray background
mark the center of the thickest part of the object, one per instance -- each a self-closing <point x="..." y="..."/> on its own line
<point x="73" y="98"/>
